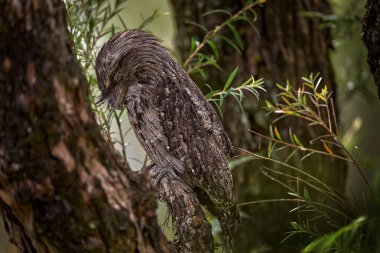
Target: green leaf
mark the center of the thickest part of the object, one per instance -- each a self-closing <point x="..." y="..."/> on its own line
<point x="213" y="48"/>
<point x="231" y="43"/>
<point x="281" y="87"/>
<point x="221" y="100"/>
<point x="230" y="79"/>
<point x="285" y="100"/>
<point x="150" y="19"/>
<point x="202" y="73"/>
<point x="203" y="28"/>
<point x="209" y="87"/>
<point x="122" y="22"/>
<point x="329" y="241"/>
<point x="297" y="140"/>
<point x="217" y="11"/>
<point x="270" y="149"/>
<point x="236" y="35"/>
<point x="277" y="133"/>
<point x="218" y="108"/>
<point x="306" y="194"/>
<point x="193" y="45"/>
<point x="238" y="100"/>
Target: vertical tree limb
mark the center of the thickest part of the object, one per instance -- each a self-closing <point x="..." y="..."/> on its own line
<point x="193" y="231"/>
<point x="61" y="187"/>
<point x="371" y="38"/>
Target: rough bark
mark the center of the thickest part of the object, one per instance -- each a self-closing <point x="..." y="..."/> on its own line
<point x="193" y="231"/>
<point x="61" y="187"/>
<point x="286" y="46"/>
<point x="371" y="38"/>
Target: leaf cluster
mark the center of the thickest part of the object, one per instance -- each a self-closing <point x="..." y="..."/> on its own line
<point x="90" y="23"/>
<point x="347" y="218"/>
<point x="198" y="61"/>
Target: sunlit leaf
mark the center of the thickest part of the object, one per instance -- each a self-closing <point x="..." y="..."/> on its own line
<point x="268" y="104"/>
<point x="281" y="87"/>
<point x="230" y="78"/>
<point x="297" y="140"/>
<point x="277" y="133"/>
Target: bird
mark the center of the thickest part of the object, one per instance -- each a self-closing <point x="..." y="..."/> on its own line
<point x="176" y="126"/>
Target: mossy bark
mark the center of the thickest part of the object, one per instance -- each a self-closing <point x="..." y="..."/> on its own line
<point x="61" y="187"/>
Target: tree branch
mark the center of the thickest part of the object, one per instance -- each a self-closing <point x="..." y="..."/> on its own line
<point x="61" y="187"/>
<point x="193" y="231"/>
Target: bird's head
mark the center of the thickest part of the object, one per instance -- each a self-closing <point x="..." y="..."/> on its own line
<point x="119" y="60"/>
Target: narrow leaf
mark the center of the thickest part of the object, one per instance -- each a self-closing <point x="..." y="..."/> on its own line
<point x="203" y="28"/>
<point x="297" y="140"/>
<point x="213" y="48"/>
<point x="217" y="11"/>
<point x="193" y="45"/>
<point x="306" y="194"/>
<point x="277" y="133"/>
<point x="230" y="79"/>
<point x="327" y="148"/>
<point x="229" y="42"/>
<point x="236" y="35"/>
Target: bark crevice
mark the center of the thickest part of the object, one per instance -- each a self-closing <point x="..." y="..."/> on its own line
<point x="371" y="38"/>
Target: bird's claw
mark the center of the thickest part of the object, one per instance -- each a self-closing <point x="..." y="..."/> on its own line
<point x="158" y="173"/>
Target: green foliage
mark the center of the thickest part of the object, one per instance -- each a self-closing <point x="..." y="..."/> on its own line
<point x="346" y="220"/>
<point x="313" y="104"/>
<point x="252" y="86"/>
<point x="329" y="241"/>
<point x="90" y="23"/>
<point x="197" y="62"/>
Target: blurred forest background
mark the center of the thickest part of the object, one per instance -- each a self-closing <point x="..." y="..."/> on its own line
<point x="324" y="202"/>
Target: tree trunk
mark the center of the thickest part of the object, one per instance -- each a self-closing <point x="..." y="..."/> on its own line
<point x="287" y="45"/>
<point x="61" y="187"/>
<point x="371" y="38"/>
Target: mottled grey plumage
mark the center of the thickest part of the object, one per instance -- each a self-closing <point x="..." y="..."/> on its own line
<point x="177" y="127"/>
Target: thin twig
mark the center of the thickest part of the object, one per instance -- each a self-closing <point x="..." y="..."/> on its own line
<point x="328" y="193"/>
<point x="216" y="30"/>
<point x="301" y="148"/>
<point x="308" y="201"/>
<point x="286" y="165"/>
<point x="348" y="153"/>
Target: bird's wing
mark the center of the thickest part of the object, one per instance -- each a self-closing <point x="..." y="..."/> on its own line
<point x="147" y="124"/>
<point x="209" y="118"/>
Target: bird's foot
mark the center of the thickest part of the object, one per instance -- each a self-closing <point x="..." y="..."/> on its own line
<point x="158" y="173"/>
